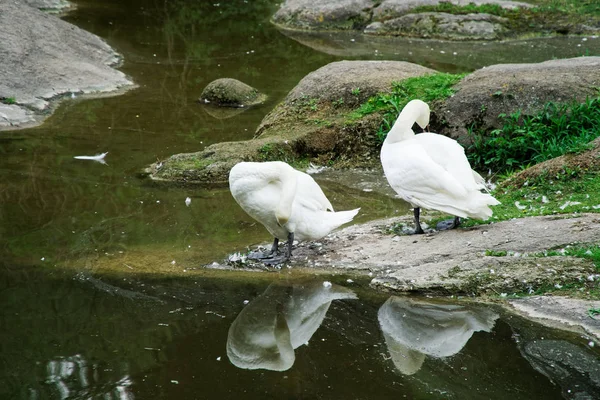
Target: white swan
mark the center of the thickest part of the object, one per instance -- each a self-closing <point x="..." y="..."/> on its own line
<point x="289" y="203"/>
<point x="431" y="171"/>
<point x="268" y="330"/>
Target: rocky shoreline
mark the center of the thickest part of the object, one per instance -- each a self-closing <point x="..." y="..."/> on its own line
<point x="38" y="71"/>
<point x="501" y="262"/>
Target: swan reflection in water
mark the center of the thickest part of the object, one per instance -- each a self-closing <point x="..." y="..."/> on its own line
<point x="415" y="329"/>
<point x="284" y="317"/>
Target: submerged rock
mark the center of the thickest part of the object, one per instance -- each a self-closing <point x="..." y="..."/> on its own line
<point x="227" y="92"/>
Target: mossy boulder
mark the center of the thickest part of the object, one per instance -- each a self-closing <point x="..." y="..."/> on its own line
<point x="227" y="92"/>
<point x="443" y="26"/>
<point x="451" y="20"/>
<point x="310" y="125"/>
<point x="323" y="15"/>
<point x="506" y="88"/>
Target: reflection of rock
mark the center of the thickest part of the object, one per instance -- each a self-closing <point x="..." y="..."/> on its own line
<point x="229" y="92"/>
<point x="575" y="369"/>
<point x="415" y="329"/>
<point x="266" y="332"/>
<point x="222" y="112"/>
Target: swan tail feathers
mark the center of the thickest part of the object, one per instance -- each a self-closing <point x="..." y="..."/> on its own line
<point x="343" y="217"/>
<point x="337" y="219"/>
<point x="480" y="207"/>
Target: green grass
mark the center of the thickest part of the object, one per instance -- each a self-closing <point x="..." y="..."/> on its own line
<point x="592" y="312"/>
<point x="427" y="88"/>
<point x="590" y="252"/>
<point x="530" y="139"/>
<point x="8" y="100"/>
<point x="550" y="195"/>
<point x="496" y="253"/>
<point x="582" y="7"/>
<point x="540" y="7"/>
<point x="447" y="7"/>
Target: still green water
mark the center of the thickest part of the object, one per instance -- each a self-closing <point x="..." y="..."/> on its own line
<point x="70" y="332"/>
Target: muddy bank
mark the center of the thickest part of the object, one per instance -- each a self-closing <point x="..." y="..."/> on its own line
<point x="45" y="59"/>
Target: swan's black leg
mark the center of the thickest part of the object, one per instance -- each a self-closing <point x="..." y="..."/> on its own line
<point x="286" y="257"/>
<point x="290" y="242"/>
<point x="274" y="247"/>
<point x="448" y="224"/>
<point x="418" y="229"/>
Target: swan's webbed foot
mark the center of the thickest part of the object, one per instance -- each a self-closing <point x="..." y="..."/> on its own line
<point x="261" y="255"/>
<point x="448" y="224"/>
<point x="280" y="259"/>
<point x="273" y="257"/>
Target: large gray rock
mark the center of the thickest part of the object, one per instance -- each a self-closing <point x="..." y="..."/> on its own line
<point x="505" y="88"/>
<point x="44" y="58"/>
<point x="353" y="81"/>
<point x="356" y="14"/>
<point x="332" y="14"/>
<point x="443" y="26"/>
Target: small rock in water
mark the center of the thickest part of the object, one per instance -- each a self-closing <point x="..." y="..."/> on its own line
<point x="327" y="284"/>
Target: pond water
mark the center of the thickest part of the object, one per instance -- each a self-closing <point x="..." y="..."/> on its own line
<point x="72" y="331"/>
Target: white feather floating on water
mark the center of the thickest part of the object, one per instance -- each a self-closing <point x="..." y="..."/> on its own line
<point x="98" y="158"/>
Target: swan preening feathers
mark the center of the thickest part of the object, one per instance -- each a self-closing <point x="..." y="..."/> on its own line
<point x="289" y="203"/>
<point x="431" y="171"/>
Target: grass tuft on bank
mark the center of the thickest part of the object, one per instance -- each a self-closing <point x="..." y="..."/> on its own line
<point x="525" y="140"/>
<point x="428" y="88"/>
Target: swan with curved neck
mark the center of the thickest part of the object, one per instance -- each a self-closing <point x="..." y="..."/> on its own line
<point x="289" y="203"/>
<point x="431" y="171"/>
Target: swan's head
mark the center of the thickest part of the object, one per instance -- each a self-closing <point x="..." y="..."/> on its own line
<point x="420" y="110"/>
<point x="282" y="217"/>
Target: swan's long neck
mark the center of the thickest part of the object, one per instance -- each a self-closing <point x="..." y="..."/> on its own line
<point x="401" y="130"/>
<point x="414" y="111"/>
<point x="287" y="177"/>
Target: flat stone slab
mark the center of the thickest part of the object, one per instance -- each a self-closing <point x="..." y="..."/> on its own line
<point x="553" y="310"/>
<point x="12" y="115"/>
